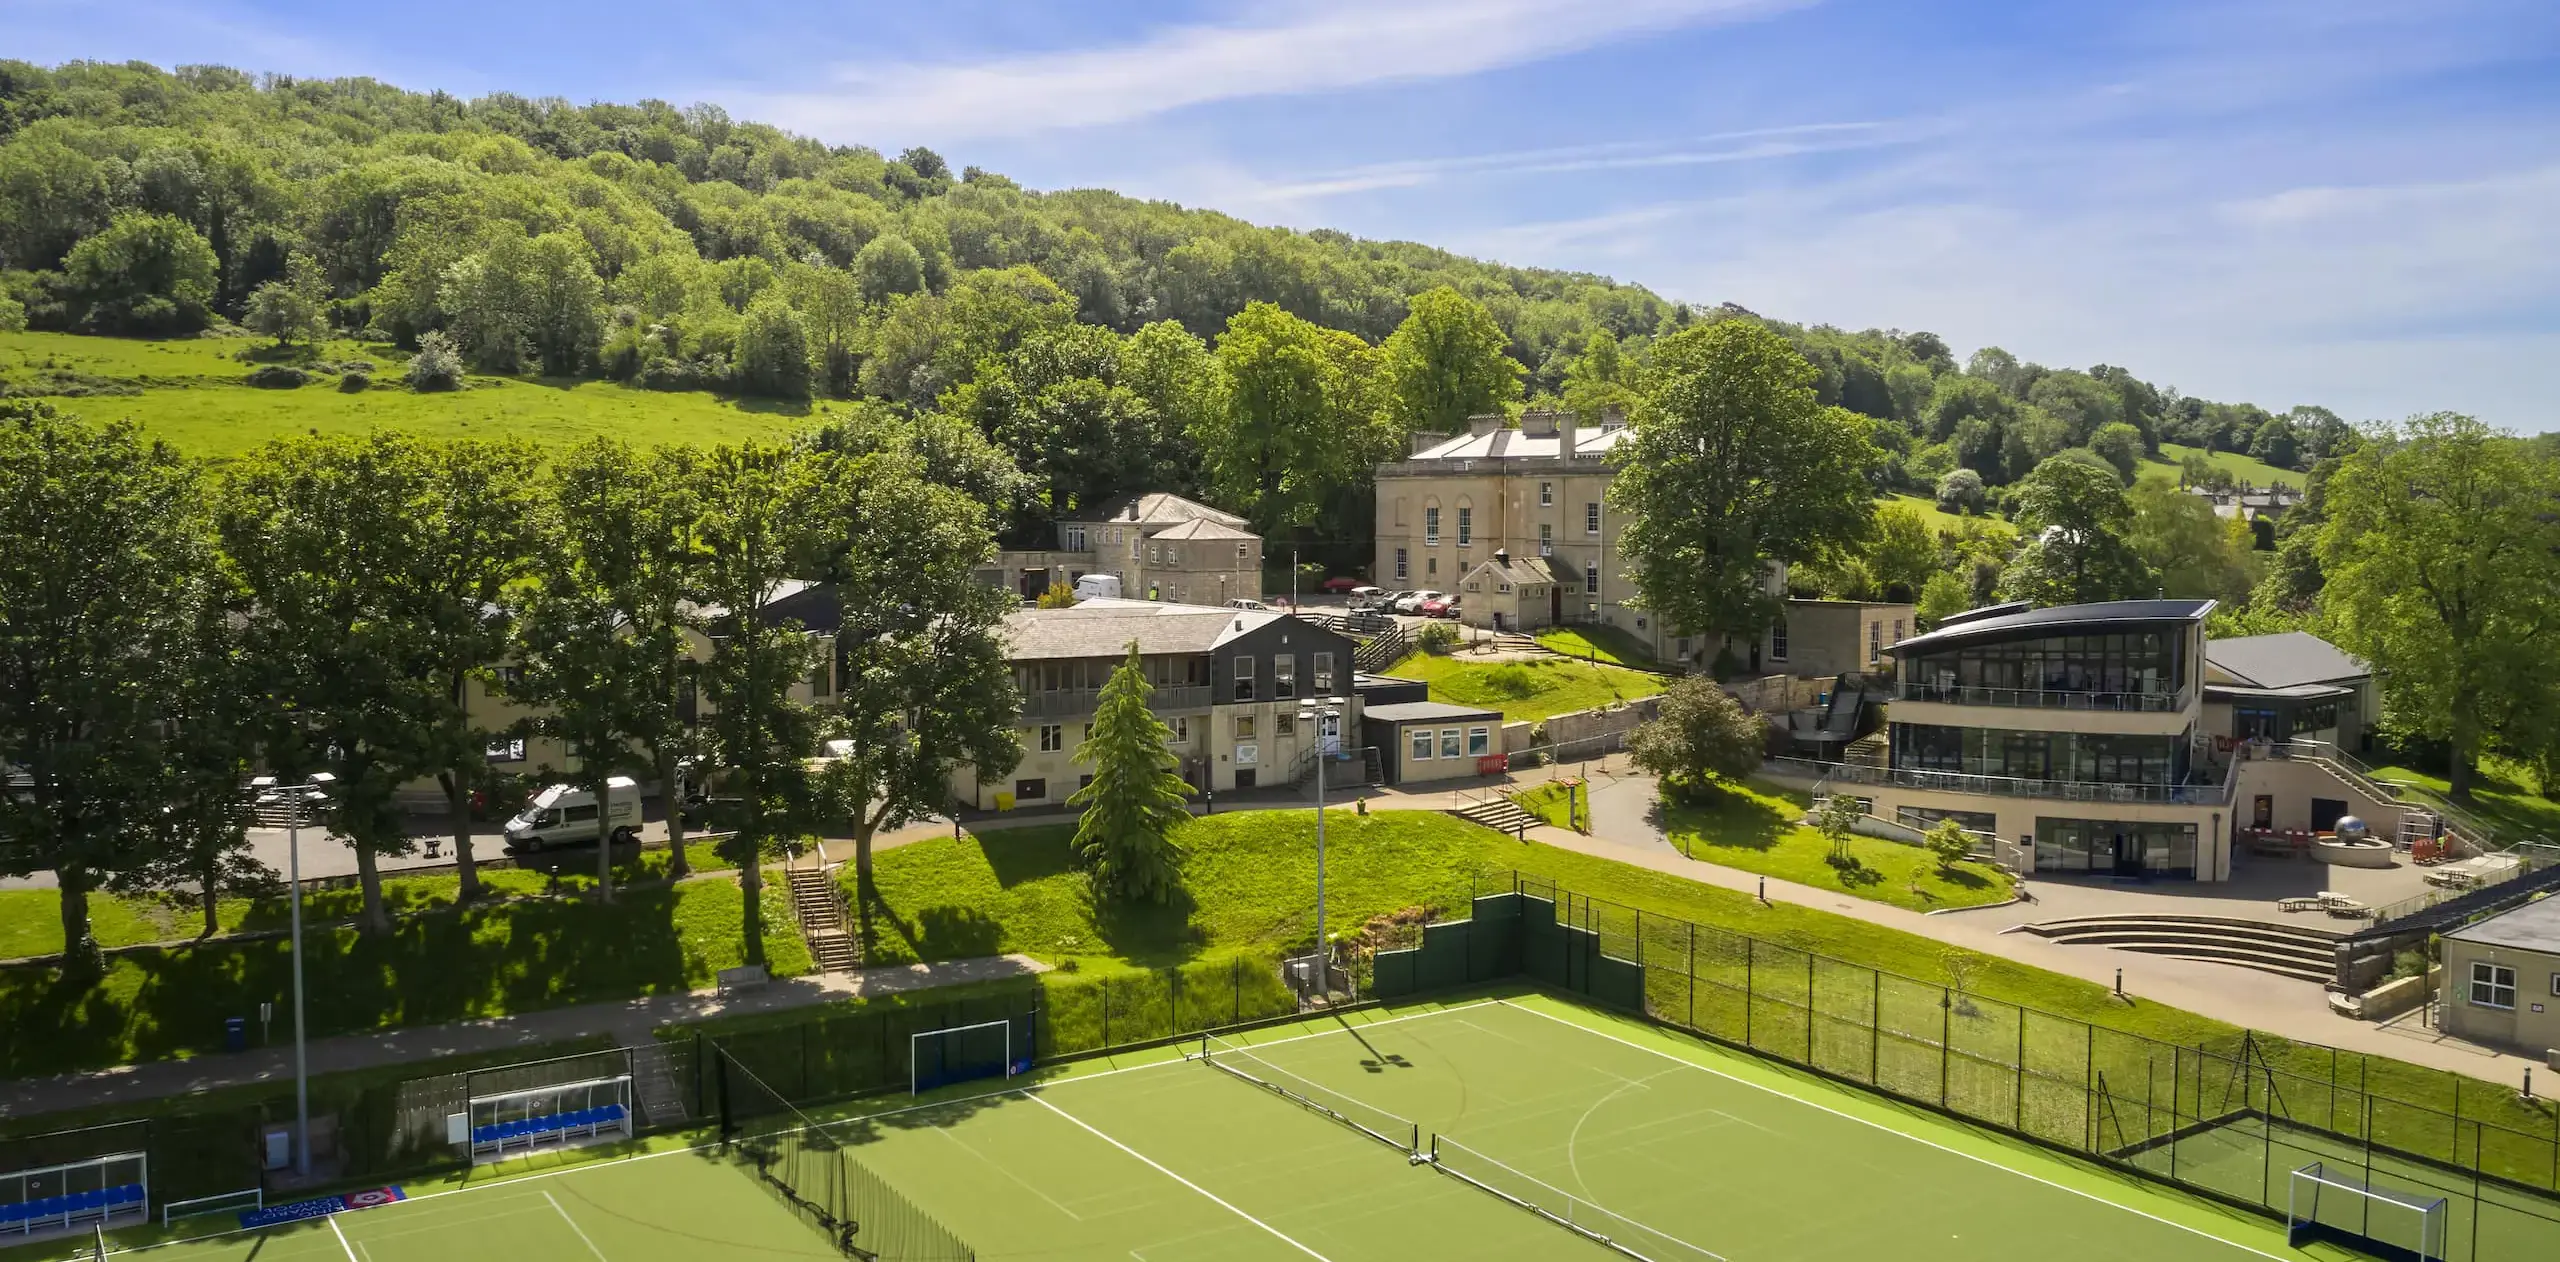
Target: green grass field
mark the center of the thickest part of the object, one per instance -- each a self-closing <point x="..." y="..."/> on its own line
<point x="1592" y="642"/>
<point x="1758" y="829"/>
<point x="191" y="392"/>
<point x="1530" y="690"/>
<point x="1564" y="804"/>
<point x="2503" y="796"/>
<point x="1942" y="520"/>
<point x="2248" y="469"/>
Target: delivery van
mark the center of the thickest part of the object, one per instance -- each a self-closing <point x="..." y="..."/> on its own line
<point x="1098" y="586"/>
<point x="565" y="815"/>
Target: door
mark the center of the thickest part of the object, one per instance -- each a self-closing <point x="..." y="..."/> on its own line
<point x="2128" y="854"/>
<point x="1244" y="777"/>
<point x="1555" y="605"/>
<point x="2325" y="813"/>
<point x="2262" y="812"/>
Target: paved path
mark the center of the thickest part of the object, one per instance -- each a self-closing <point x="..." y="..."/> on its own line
<point x="629" y="1021"/>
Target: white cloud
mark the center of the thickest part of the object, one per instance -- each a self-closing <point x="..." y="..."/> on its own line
<point x="1336" y="45"/>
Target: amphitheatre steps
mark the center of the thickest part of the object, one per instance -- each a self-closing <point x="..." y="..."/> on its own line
<point x="2298" y="952"/>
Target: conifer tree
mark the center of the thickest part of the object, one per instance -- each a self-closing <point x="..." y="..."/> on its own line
<point x="1125" y="838"/>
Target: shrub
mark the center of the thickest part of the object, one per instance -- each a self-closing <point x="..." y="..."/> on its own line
<point x="1436" y="638"/>
<point x="278" y="377"/>
<point x="1961" y="491"/>
<point x="355" y="382"/>
<point x="1513" y="681"/>
<point x="1948" y="841"/>
<point x="436" y="366"/>
<point x="1702" y="732"/>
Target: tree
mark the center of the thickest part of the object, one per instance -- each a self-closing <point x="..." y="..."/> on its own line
<point x="1904" y="553"/>
<point x="436" y="366"/>
<point x="2074" y="518"/>
<point x="103" y="549"/>
<point x="1136" y="799"/>
<point x="293" y="308"/>
<point x="145" y="275"/>
<point x="208" y="751"/>
<point x="1298" y="424"/>
<point x="1836" y="817"/>
<point x="756" y="531"/>
<point x="328" y="542"/>
<point x="1733" y="465"/>
<point x="1961" y="491"/>
<point x="1601" y="380"/>
<point x="1949" y="843"/>
<point x="477" y="548"/>
<point x="2195" y="553"/>
<point x="1445" y="363"/>
<point x="887" y="267"/>
<point x="1058" y="596"/>
<point x="2440" y="555"/>
<point x="1943" y="597"/>
<point x="2120" y="445"/>
<point x="773" y="350"/>
<point x="1702" y="734"/>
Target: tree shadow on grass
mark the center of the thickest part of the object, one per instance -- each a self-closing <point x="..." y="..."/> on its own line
<point x="1718" y="817"/>
<point x="1151" y="934"/>
<point x="1019" y="856"/>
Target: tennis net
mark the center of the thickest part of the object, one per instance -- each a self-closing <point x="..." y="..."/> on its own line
<point x="1617" y="1231"/>
<point x="805" y="1165"/>
<point x="1387" y="1128"/>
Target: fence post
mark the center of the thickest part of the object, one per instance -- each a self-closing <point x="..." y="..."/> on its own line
<point x="1809" y="1011"/>
<point x="804" y="1060"/>
<point x="1946" y="1038"/>
<point x="1750" y="986"/>
<point x="1106" y="1012"/>
<point x="720" y="1085"/>
<point x="1693" y="1001"/>
<point x="2089" y="1077"/>
<point x="1235" y="975"/>
<point x="1875" y="1027"/>
<point x="2021" y="1099"/>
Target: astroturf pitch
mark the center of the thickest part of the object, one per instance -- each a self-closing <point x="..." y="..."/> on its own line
<point x="1162" y="1157"/>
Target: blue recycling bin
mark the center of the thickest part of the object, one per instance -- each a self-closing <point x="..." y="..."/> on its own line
<point x="235" y="1034"/>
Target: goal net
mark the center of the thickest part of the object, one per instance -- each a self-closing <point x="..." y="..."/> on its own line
<point x="75" y="1194"/>
<point x="986" y="1049"/>
<point x="2340" y="1205"/>
<point x="568" y="1114"/>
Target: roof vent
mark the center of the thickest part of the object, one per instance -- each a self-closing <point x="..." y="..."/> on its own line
<point x="1502" y="557"/>
<point x="1239" y="624"/>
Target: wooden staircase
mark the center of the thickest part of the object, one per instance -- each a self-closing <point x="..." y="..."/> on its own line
<point x="822" y="920"/>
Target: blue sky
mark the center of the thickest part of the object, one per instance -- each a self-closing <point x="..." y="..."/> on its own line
<point x="2345" y="202"/>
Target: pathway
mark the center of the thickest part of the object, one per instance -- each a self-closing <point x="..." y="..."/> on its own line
<point x="629" y="1021"/>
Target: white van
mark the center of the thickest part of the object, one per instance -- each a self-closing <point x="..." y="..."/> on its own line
<point x="1098" y="586"/>
<point x="565" y="815"/>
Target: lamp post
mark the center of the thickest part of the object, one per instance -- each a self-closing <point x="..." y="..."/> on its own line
<point x="314" y="789"/>
<point x="1321" y="713"/>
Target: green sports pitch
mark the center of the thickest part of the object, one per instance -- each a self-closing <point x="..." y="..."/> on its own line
<point x="1560" y="1133"/>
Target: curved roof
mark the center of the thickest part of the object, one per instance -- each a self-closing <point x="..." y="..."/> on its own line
<point x="2058" y="620"/>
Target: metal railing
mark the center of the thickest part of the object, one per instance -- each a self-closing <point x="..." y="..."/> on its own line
<point x="1068" y="703"/>
<point x="2044" y="698"/>
<point x="2008" y="786"/>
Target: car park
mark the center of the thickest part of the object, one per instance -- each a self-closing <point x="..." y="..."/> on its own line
<point x="1365" y="597"/>
<point x="1340" y="584"/>
<point x="1411" y="602"/>
<point x="1439" y="607"/>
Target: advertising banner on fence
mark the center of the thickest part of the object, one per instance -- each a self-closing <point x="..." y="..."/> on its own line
<point x="318" y="1207"/>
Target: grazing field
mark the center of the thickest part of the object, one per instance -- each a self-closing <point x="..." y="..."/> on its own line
<point x="2248" y="469"/>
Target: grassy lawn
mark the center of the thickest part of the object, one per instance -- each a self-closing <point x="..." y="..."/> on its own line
<point x="1611" y="646"/>
<point x="1527" y="691"/>
<point x="31" y="920"/>
<point x="190" y="392"/>
<point x="2503" y="796"/>
<point x="2248" y="469"/>
<point x="486" y="960"/>
<point x="1550" y="802"/>
<point x="1758" y="830"/>
<point x="1942" y="520"/>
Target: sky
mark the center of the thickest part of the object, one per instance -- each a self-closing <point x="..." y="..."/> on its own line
<point x="2344" y="202"/>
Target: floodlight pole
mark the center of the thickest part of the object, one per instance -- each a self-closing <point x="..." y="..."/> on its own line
<point x="301" y="1065"/>
<point x="1310" y="712"/>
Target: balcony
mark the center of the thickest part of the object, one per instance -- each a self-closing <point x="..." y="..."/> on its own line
<point x="2198" y="794"/>
<point x="1075" y="703"/>
<point x="2045" y="698"/>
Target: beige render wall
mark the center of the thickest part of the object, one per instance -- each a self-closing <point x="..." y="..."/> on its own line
<point x="2522" y="1028"/>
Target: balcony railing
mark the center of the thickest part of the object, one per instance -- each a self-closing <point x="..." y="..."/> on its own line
<point x="2203" y="794"/>
<point x="1070" y="703"/>
<point x="2043" y="698"/>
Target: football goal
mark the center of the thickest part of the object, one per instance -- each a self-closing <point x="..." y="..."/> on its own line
<point x="93" y="1191"/>
<point x="986" y="1049"/>
<point x="2340" y="1205"/>
<point x="562" y="1115"/>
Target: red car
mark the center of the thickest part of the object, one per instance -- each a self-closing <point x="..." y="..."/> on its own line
<point x="1339" y="584"/>
<point x="1439" y="607"/>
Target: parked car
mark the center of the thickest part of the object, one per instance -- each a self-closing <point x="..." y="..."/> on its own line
<point x="1340" y="584"/>
<point x="1366" y="597"/>
<point x="1411" y="602"/>
<point x="1439" y="607"/>
<point x="1242" y="603"/>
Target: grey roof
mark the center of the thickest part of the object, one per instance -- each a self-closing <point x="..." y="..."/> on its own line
<point x="1104" y="628"/>
<point x="2298" y="692"/>
<point x="1520" y="571"/>
<point x="1153" y="508"/>
<point x="1203" y="528"/>
<point x="2285" y="660"/>
<point x="2532" y="927"/>
<point x="2060" y="619"/>
<point x="1407" y="711"/>
<point x="1516" y="443"/>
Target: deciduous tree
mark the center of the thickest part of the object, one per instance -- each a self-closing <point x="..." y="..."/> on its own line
<point x="1702" y="734"/>
<point x="1445" y="363"/>
<point x="2074" y="518"/>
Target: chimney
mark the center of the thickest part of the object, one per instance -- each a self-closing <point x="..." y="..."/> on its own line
<point x="1502" y="557"/>
<point x="1568" y="430"/>
<point x="1425" y="439"/>
<point x="1537" y="424"/>
<point x="1484" y="424"/>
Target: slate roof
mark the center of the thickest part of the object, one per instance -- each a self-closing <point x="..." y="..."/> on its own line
<point x="2286" y="660"/>
<point x="1408" y="711"/>
<point x="1154" y="508"/>
<point x="1203" y="528"/>
<point x="2532" y="927"/>
<point x="1521" y="571"/>
<point x="1104" y="628"/>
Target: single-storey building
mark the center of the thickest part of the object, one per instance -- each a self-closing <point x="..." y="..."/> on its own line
<point x="1433" y="740"/>
<point x="2290" y="686"/>
<point x="1503" y="594"/>
<point x="2502" y="979"/>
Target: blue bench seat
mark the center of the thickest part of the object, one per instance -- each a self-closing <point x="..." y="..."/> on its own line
<point x="534" y="1128"/>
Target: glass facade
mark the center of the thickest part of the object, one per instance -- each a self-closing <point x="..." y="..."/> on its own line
<point x="2140" y="662"/>
<point x="2121" y="847"/>
<point x="1927" y="817"/>
<point x="2092" y="757"/>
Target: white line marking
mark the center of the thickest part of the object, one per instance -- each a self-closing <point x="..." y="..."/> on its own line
<point x="342" y="1239"/>
<point x="1000" y="1168"/>
<point x="573" y="1226"/>
<point x="366" y="1250"/>
<point x="1151" y="1162"/>
<point x="1784" y="1095"/>
<point x="1573" y="1141"/>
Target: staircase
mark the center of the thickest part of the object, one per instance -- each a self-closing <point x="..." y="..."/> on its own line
<point x="1498" y="813"/>
<point x="2299" y="952"/>
<point x="822" y="920"/>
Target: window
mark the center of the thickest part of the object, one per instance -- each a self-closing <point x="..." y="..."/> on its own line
<point x="1246" y="756"/>
<point x="1422" y="744"/>
<point x="1245" y="727"/>
<point x="506" y="750"/>
<point x="1181" y="724"/>
<point x="1241" y="553"/>
<point x="1324" y="674"/>
<point x="1284" y="723"/>
<point x="508" y="676"/>
<point x="1778" y="640"/>
<point x="1085" y="781"/>
<point x="1479" y="741"/>
<point x="1591" y="579"/>
<point x="1053" y="737"/>
<point x="1075" y="539"/>
<point x="1474" y="586"/>
<point x="1431" y="527"/>
<point x="1546" y="539"/>
<point x="1404" y="565"/>
<point x="1088" y="732"/>
<point x="1284" y="676"/>
<point x="1897" y="630"/>
<point x="1875" y="641"/>
<point x="1244" y="679"/>
<point x="1591" y="518"/>
<point x="1031" y="790"/>
<point x="2493" y="985"/>
<point x="587" y="815"/>
<point x="1466" y="526"/>
<point x="822" y="681"/>
<point x="1503" y="588"/>
<point x="1451" y="741"/>
<point x="1431" y="566"/>
<point x="1546" y="495"/>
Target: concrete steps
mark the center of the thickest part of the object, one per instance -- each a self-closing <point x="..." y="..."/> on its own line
<point x="1499" y="814"/>
<point x="2303" y="953"/>
<point x="822" y="922"/>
